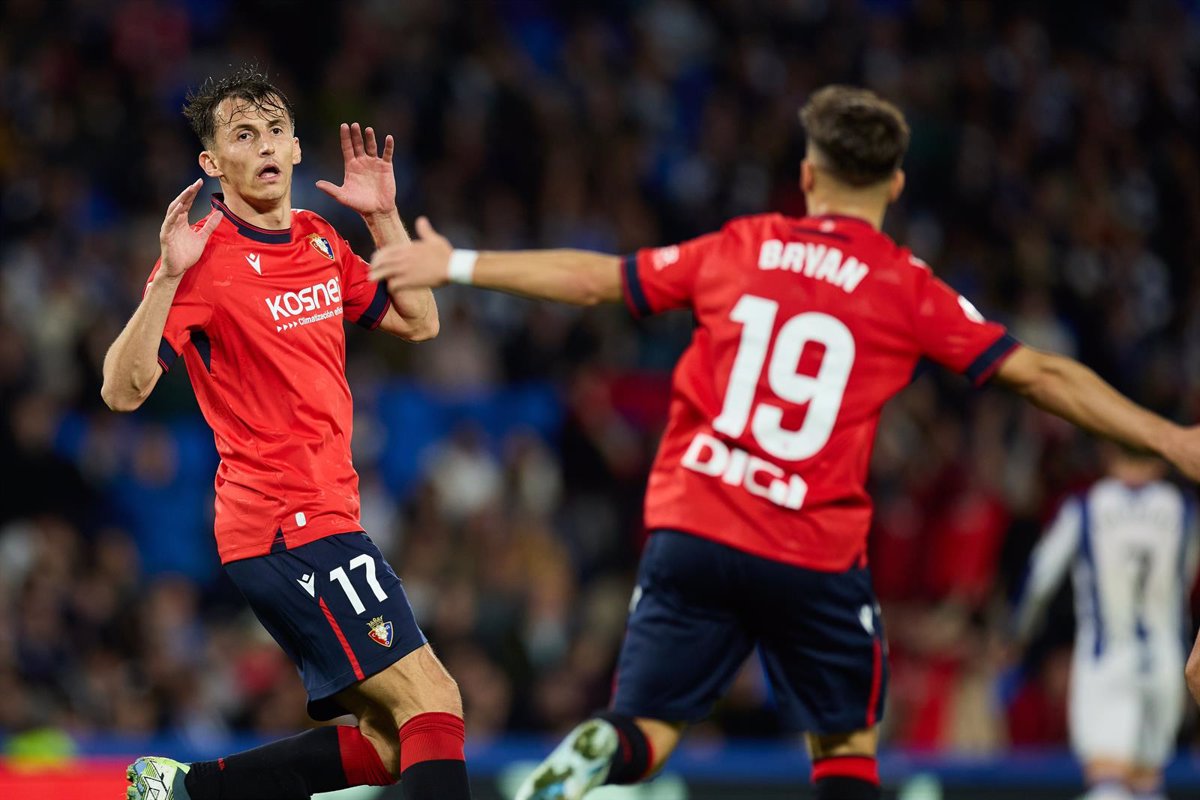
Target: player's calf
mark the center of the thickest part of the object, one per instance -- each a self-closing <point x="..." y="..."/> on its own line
<point x="844" y="765"/>
<point x="319" y="760"/>
<point x="424" y="705"/>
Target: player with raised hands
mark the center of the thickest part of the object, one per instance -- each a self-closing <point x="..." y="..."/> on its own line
<point x="756" y="503"/>
<point x="253" y="298"/>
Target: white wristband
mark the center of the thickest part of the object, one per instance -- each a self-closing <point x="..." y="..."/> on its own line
<point x="462" y="266"/>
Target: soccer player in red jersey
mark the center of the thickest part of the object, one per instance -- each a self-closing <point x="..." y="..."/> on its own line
<point x="254" y="298"/>
<point x="756" y="502"/>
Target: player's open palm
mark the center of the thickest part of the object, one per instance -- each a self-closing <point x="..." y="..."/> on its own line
<point x="182" y="245"/>
<point x="369" y="186"/>
<point x="422" y="263"/>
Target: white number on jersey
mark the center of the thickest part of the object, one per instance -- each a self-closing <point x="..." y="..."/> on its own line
<point x="823" y="392"/>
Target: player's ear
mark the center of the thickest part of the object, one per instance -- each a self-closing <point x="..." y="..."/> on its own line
<point x="897" y="186"/>
<point x="295" y="150"/>
<point x="208" y="163"/>
<point x="808" y="176"/>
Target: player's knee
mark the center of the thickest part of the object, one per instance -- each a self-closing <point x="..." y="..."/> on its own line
<point x="382" y="736"/>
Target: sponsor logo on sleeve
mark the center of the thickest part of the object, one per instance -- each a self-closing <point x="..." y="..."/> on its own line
<point x="970" y="310"/>
<point x="664" y="257"/>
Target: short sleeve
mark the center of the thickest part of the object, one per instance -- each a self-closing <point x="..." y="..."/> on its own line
<point x="953" y="333"/>
<point x="364" y="300"/>
<point x="662" y="278"/>
<point x="190" y="312"/>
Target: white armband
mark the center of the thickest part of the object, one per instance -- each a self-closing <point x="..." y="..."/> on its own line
<point x="462" y="266"/>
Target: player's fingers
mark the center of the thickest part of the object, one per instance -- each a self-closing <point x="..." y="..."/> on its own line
<point x="210" y="225"/>
<point x="356" y="139"/>
<point x="383" y="263"/>
<point x="189" y="194"/>
<point x="347" y="148"/>
<point x="425" y="229"/>
<point x="333" y="190"/>
<point x="389" y="147"/>
<point x="372" y="149"/>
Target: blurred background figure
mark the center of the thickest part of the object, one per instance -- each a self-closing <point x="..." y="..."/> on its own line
<point x="1130" y="542"/>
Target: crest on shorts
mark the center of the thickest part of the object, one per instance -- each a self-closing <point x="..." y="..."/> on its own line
<point x="380" y="631"/>
<point x="322" y="244"/>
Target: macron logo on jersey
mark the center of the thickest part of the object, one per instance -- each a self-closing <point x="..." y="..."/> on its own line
<point x="817" y="261"/>
<point x="289" y="304"/>
<point x="254" y="260"/>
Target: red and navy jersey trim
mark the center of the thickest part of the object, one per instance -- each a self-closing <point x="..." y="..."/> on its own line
<point x="375" y="312"/>
<point x="987" y="362"/>
<point x="166" y="355"/>
<point x="635" y="295"/>
<point x="246" y="229"/>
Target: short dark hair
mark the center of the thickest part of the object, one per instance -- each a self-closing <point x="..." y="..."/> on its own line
<point x="244" y="83"/>
<point x="861" y="136"/>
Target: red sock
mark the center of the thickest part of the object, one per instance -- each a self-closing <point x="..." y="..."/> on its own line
<point x="432" y="763"/>
<point x="360" y="760"/>
<point x="435" y="736"/>
<point x="863" y="768"/>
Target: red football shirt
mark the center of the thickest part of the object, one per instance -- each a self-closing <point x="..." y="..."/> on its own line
<point x="804" y="329"/>
<point x="258" y="321"/>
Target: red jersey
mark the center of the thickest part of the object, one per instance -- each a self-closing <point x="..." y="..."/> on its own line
<point x="804" y="329"/>
<point x="258" y="321"/>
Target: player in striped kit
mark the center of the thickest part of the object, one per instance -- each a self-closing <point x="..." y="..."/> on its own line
<point x="1130" y="543"/>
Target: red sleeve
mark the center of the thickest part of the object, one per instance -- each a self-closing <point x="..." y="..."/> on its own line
<point x="190" y="312"/>
<point x="365" y="301"/>
<point x="662" y="278"/>
<point x="953" y="333"/>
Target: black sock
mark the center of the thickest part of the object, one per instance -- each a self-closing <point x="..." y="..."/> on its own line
<point x="631" y="762"/>
<point x="444" y="779"/>
<point x="840" y="787"/>
<point x="290" y="769"/>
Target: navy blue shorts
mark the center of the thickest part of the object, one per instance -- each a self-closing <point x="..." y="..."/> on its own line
<point x="701" y="607"/>
<point x="336" y="608"/>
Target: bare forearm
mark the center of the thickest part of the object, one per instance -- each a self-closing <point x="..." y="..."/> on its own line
<point x="1078" y="395"/>
<point x="567" y="276"/>
<point x="416" y="317"/>
<point x="131" y="365"/>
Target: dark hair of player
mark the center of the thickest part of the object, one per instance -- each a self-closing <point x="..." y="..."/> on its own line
<point x="245" y="83"/>
<point x="859" y="137"/>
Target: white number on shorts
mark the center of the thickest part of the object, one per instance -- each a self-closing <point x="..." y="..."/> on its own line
<point x="341" y="577"/>
<point x="823" y="393"/>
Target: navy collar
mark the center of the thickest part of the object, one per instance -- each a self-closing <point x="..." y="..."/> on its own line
<point x="246" y="229"/>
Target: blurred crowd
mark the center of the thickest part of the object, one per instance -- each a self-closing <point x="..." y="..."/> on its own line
<point x="1054" y="178"/>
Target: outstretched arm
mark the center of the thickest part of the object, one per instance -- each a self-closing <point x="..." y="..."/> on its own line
<point x="369" y="188"/>
<point x="568" y="276"/>
<point x="1068" y="389"/>
<point x="131" y="368"/>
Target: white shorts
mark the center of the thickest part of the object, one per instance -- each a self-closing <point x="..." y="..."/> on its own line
<point x="1122" y="713"/>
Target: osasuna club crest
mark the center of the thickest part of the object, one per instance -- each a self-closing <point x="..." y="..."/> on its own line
<point x="380" y="631"/>
<point x="322" y="244"/>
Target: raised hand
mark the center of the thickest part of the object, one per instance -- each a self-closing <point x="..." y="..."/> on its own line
<point x="182" y="245"/>
<point x="369" y="186"/>
<point x="418" y="264"/>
